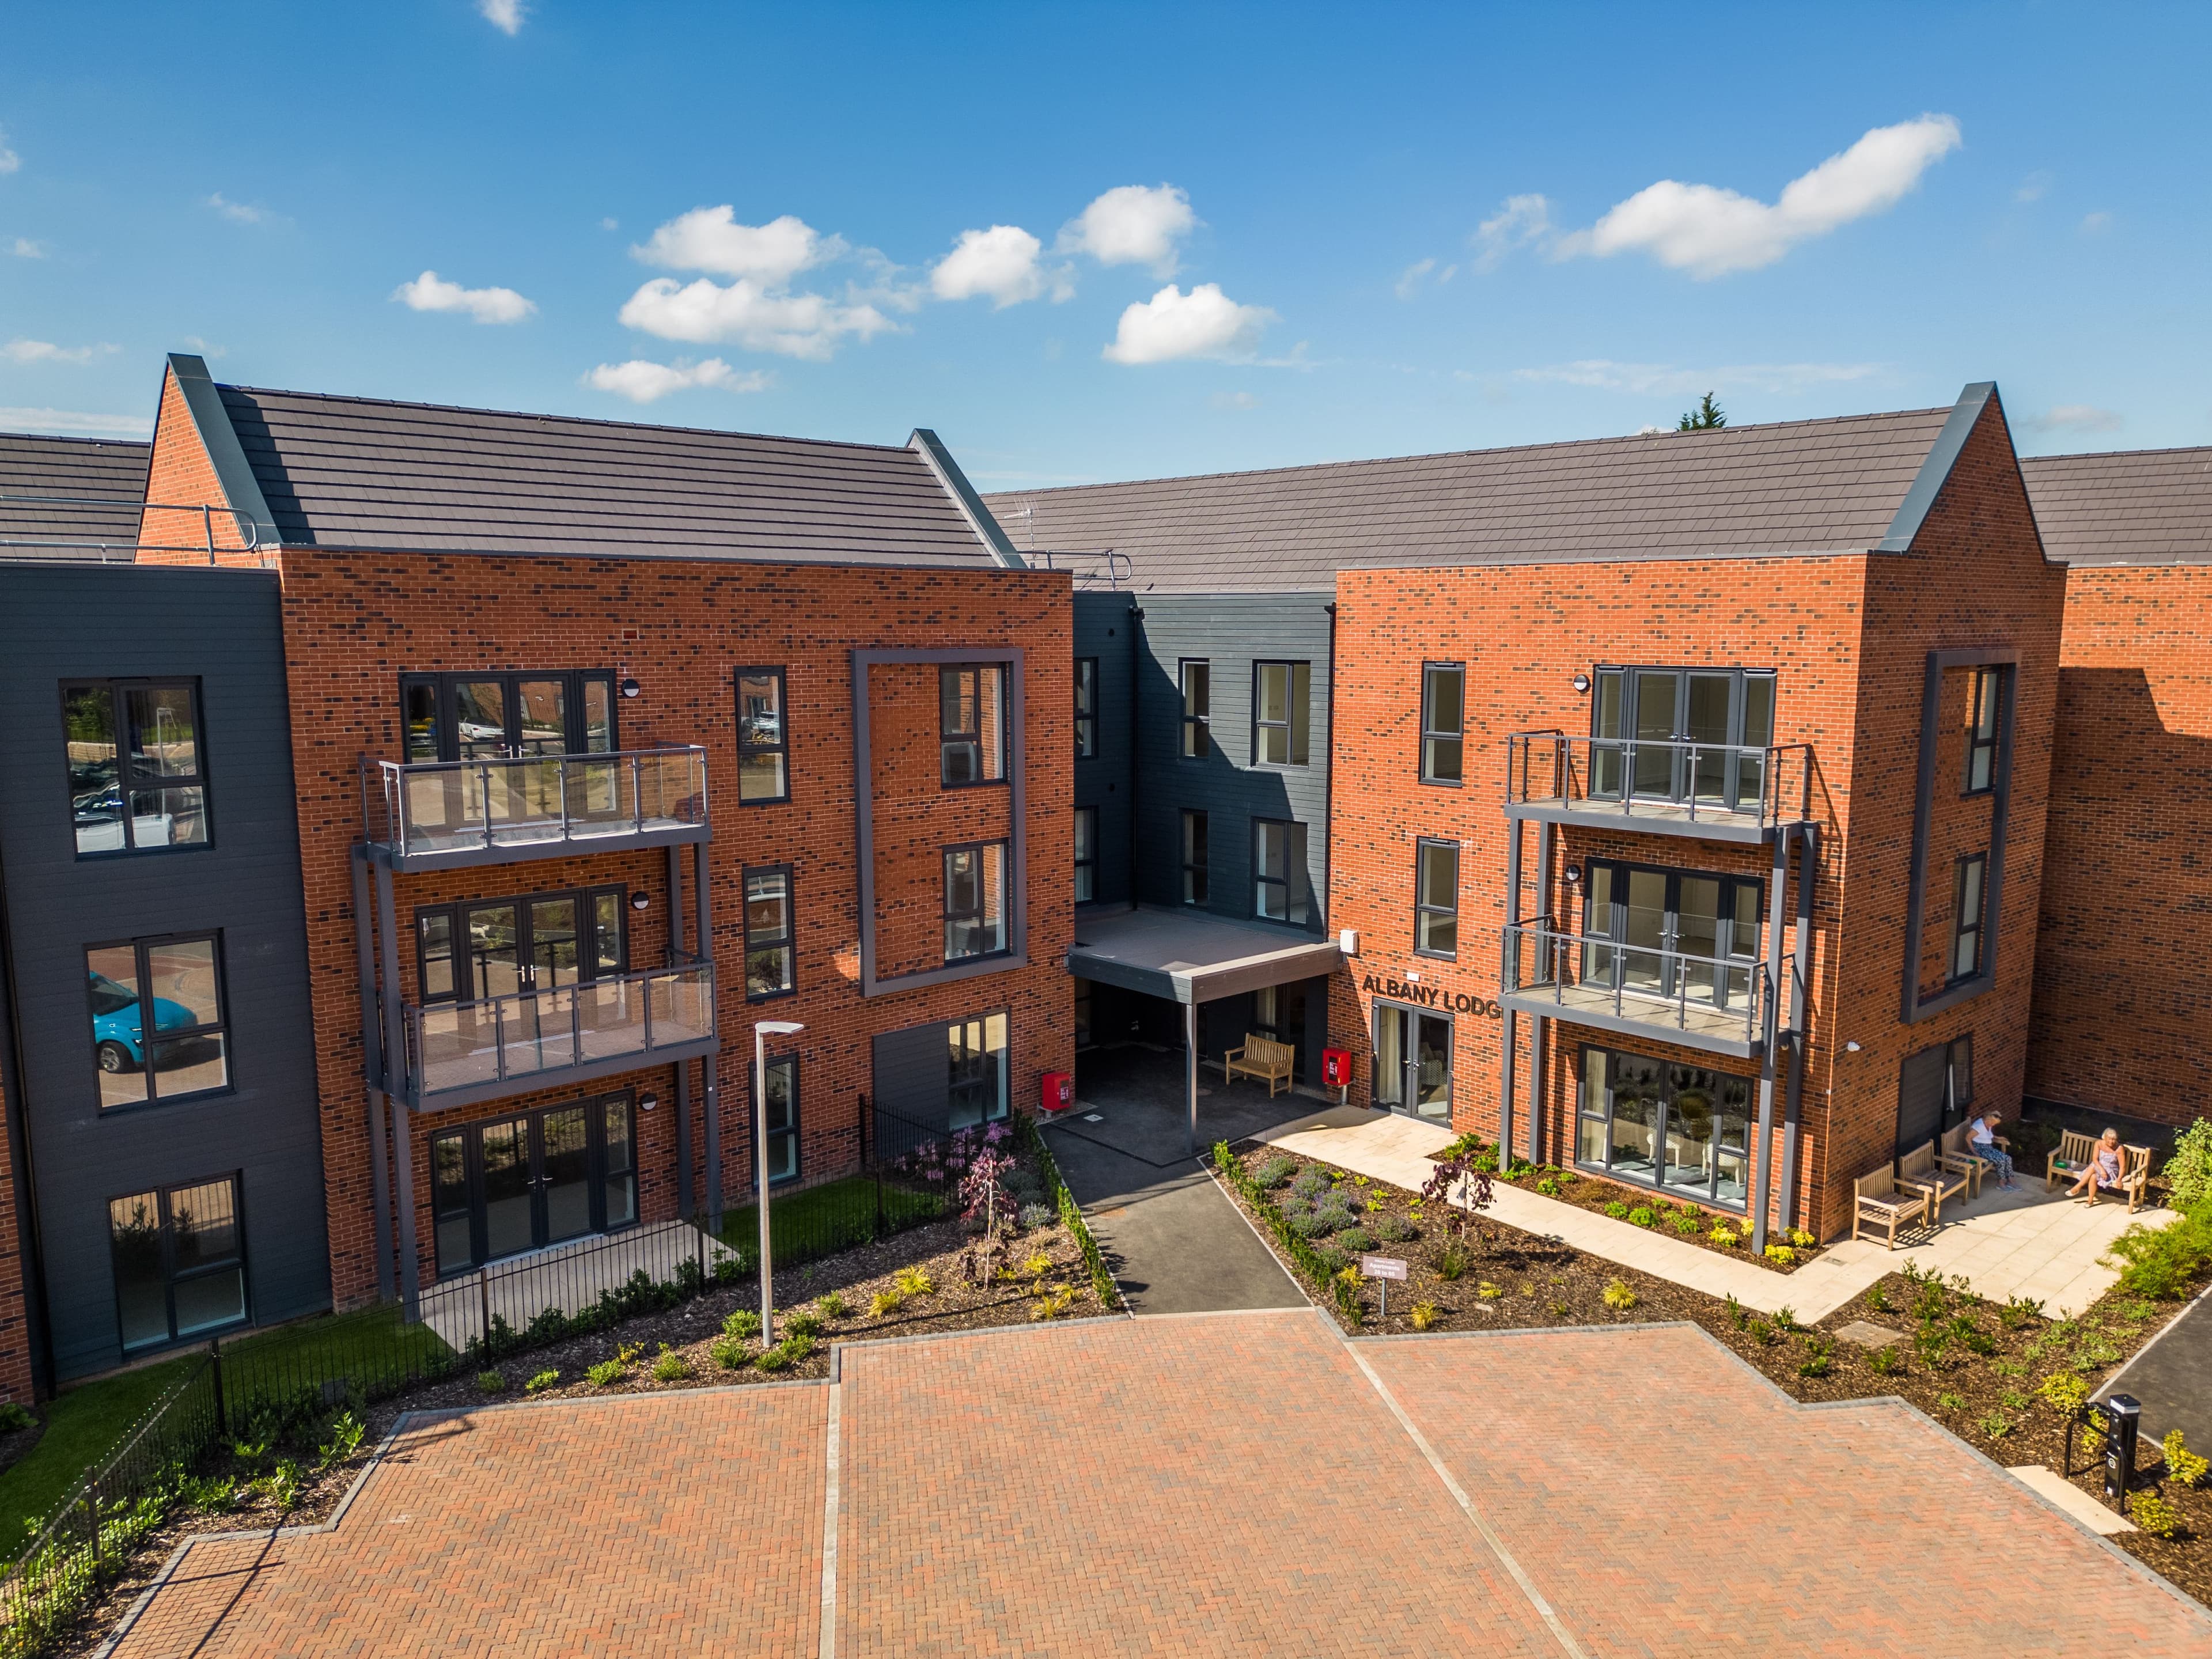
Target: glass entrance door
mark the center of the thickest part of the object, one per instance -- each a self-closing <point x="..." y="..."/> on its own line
<point x="520" y="1183"/>
<point x="1412" y="1061"/>
<point x="564" y="1174"/>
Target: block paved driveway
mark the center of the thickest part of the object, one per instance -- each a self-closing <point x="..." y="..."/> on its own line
<point x="1238" y="1483"/>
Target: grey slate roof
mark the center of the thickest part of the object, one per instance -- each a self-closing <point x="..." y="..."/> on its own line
<point x="109" y="468"/>
<point x="2138" y="506"/>
<point x="1794" y="487"/>
<point x="361" y="473"/>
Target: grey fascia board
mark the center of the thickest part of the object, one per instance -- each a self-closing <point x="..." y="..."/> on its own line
<point x="241" y="489"/>
<point x="925" y="444"/>
<point x="1935" y="470"/>
<point x="1538" y="1006"/>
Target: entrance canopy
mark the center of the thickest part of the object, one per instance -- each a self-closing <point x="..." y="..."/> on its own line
<point x="1186" y="956"/>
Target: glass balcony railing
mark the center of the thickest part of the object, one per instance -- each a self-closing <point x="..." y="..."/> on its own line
<point x="1691" y="997"/>
<point x="530" y="1037"/>
<point x="420" y="809"/>
<point x="1670" y="784"/>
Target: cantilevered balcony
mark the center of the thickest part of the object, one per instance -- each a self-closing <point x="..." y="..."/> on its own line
<point x="461" y="1052"/>
<point x="1718" y="1004"/>
<point x="432" y="815"/>
<point x="1714" y="791"/>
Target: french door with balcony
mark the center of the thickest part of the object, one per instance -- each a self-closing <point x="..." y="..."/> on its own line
<point x="479" y="948"/>
<point x="464" y="717"/>
<point x="1673" y="735"/>
<point x="1675" y="934"/>
<point x="521" y="1184"/>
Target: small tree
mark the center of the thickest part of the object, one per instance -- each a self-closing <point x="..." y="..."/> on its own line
<point x="1707" y="415"/>
<point x="1458" y="1174"/>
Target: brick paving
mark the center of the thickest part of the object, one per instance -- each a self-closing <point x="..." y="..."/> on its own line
<point x="1209" y="1484"/>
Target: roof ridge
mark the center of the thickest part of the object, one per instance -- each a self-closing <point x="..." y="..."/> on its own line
<point x="2117" y="454"/>
<point x="79" y="437"/>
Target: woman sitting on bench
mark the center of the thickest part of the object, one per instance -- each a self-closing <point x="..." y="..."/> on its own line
<point x="1984" y="1143"/>
<point x="2102" y="1172"/>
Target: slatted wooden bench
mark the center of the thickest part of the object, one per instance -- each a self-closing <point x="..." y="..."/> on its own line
<point x="1881" y="1202"/>
<point x="1259" y="1057"/>
<point x="2076" y="1151"/>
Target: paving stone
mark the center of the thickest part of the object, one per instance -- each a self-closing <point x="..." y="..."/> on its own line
<point x="1861" y="1335"/>
<point x="2049" y="1483"/>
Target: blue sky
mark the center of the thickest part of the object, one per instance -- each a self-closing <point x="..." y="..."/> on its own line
<point x="1207" y="237"/>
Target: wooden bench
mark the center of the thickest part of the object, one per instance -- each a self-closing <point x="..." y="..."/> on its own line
<point x="1880" y="1201"/>
<point x="1954" y="1156"/>
<point x="1921" y="1168"/>
<point x="2076" y="1149"/>
<point x="1259" y="1057"/>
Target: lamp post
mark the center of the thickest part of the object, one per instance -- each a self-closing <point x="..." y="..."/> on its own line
<point x="762" y="1029"/>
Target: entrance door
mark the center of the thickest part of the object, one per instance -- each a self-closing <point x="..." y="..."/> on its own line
<point x="1412" y="1061"/>
<point x="520" y="1183"/>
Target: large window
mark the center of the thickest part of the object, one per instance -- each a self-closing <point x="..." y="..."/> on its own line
<point x="1674" y="933"/>
<point x="1086" y="854"/>
<point x="1197" y="676"/>
<point x="1436" y="898"/>
<point x="763" y="738"/>
<point x="1086" y="708"/>
<point x="137" y="773"/>
<point x="458" y="717"/>
<point x="782" y="1098"/>
<point x="158" y="1029"/>
<point x="972" y="700"/>
<point x="180" y="1260"/>
<point x="479" y="948"/>
<point x="1675" y="734"/>
<point x="978" y="1081"/>
<point x="1193" y="857"/>
<point x="768" y="947"/>
<point x="974" y="900"/>
<point x="1683" y="1128"/>
<point x="1282" y="698"/>
<point x="1982" y="730"/>
<point x="1444" y="721"/>
<point x="522" y="1183"/>
<point x="1280" y="889"/>
<point x="1969" y="894"/>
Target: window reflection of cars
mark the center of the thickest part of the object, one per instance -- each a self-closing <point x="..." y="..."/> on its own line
<point x="99" y="817"/>
<point x="116" y="1028"/>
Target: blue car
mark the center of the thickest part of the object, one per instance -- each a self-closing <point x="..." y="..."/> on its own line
<point x="115" y="1024"/>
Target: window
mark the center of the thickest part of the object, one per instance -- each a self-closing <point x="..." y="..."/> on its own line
<point x="974" y="900"/>
<point x="1086" y="708"/>
<point x="769" y="948"/>
<point x="1680" y="734"/>
<point x="1279" y="869"/>
<point x="534" y="1179"/>
<point x="972" y="699"/>
<point x="1193" y="857"/>
<point x="480" y="949"/>
<point x="1086" y="854"/>
<point x="180" y="1259"/>
<point x="158" y="1030"/>
<point x="764" y="739"/>
<point x="1281" y="702"/>
<point x="977" y="1093"/>
<point x="137" y="777"/>
<point x="1683" y="1128"/>
<point x="1982" y="730"/>
<point x="1197" y="710"/>
<point x="1674" y="933"/>
<point x="1966" y="916"/>
<point x="1444" y="721"/>
<point x="1436" y="898"/>
<point x="492" y="716"/>
<point x="782" y="1103"/>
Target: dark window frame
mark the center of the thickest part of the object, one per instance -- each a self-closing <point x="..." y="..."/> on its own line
<point x="126" y="781"/>
<point x="162" y="1192"/>
<point x="950" y="738"/>
<point x="1197" y="739"/>
<point x="1710" y="1194"/>
<point x="587" y="970"/>
<point x="575" y="729"/>
<point x="957" y="1054"/>
<point x="1960" y="927"/>
<point x="1194" y="892"/>
<point x="787" y="943"/>
<point x="143" y="970"/>
<point x="1432" y="733"/>
<point x="1297" y="724"/>
<point x="1291" y="877"/>
<point x="1424" y="908"/>
<point x="1090" y="815"/>
<point x="1986" y="691"/>
<point x="1676" y="875"/>
<point x="786" y="1062"/>
<point x="470" y="1136"/>
<point x="747" y="747"/>
<point x="975" y="917"/>
<point x="1086" y="708"/>
<point x="1743" y="779"/>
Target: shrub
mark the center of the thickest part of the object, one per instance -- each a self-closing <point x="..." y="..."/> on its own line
<point x="671" y="1367"/>
<point x="2063" y="1392"/>
<point x="347" y="1431"/>
<point x="805" y="1322"/>
<point x="1334" y="1216"/>
<point x="14" y="1417"/>
<point x="1725" y="1237"/>
<point x="777" y="1358"/>
<point x="1820" y="1356"/>
<point x="2013" y="1400"/>
<point x="606" y="1373"/>
<point x="1275" y="1171"/>
<point x="1333" y="1263"/>
<point x="2019" y="1310"/>
<point x="1951" y="1402"/>
<point x="2184" y="1466"/>
<point x="745" y="1323"/>
<point x="731" y="1353"/>
<point x="1801" y="1239"/>
<point x="831" y="1306"/>
<point x="883" y="1304"/>
<point x="2188" y="1171"/>
<point x="1451" y="1263"/>
<point x="1033" y="1216"/>
<point x="212" y="1495"/>
<point x="1877" y="1298"/>
<point x="1425" y="1314"/>
<point x="1641" y="1216"/>
<point x="2164" y="1264"/>
<point x="1618" y="1297"/>
<point x="1312" y="1181"/>
<point x="1355" y="1239"/>
<point x="1051" y="1304"/>
<point x="542" y="1382"/>
<point x="1786" y="1317"/>
<point x="2154" y="1514"/>
<point x="491" y="1382"/>
<point x="1488" y="1291"/>
<point x="1884" y="1361"/>
<point x="1765" y="1334"/>
<point x="1306" y="1224"/>
<point x="1689" y="1222"/>
<point x="1781" y="1254"/>
<point x="1931" y="1343"/>
<point x="1549" y="1186"/>
<point x="1737" y="1316"/>
<point x="915" y="1281"/>
<point x="1392" y="1229"/>
<point x="1997" y="1426"/>
<point x="1618" y="1211"/>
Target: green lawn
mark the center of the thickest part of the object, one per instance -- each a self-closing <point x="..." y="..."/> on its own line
<point x="82" y="1427"/>
<point x="819" y="1221"/>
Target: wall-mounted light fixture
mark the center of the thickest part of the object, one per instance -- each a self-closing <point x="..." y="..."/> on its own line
<point x="646" y="1103"/>
<point x="1850" y="1048"/>
<point x="630" y="688"/>
<point x="640" y="902"/>
<point x="1574" y="875"/>
<point x="1582" y="682"/>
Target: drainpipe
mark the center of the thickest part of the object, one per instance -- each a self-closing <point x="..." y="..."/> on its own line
<point x="1136" y="731"/>
<point x="683" y="1069"/>
<point x="403" y="1148"/>
<point x="1328" y="776"/>
<point x="1808" y="844"/>
<point x="1762" y="1162"/>
<point x="371" y="1068"/>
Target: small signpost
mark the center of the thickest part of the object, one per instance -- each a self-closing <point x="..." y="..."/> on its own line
<point x="1385" y="1268"/>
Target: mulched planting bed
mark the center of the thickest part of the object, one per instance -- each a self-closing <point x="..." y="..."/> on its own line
<point x="1984" y="1377"/>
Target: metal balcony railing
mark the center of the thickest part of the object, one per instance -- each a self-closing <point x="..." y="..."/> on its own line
<point x="1714" y="998"/>
<point x="530" y="1037"/>
<point x="1727" y="786"/>
<point x="422" y="809"/>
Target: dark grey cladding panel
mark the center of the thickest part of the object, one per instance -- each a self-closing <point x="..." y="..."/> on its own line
<point x="107" y="468"/>
<point x="1232" y="632"/>
<point x="1106" y="628"/>
<point x="913" y="1080"/>
<point x="224" y="628"/>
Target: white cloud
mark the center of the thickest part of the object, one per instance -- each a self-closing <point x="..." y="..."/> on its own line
<point x="1000" y="263"/>
<point x="44" y="351"/>
<point x="2075" y="417"/>
<point x="2033" y="188"/>
<point x="75" y="422"/>
<point x="1172" y="325"/>
<point x="1708" y="230"/>
<point x="9" y="162"/>
<point x="642" y="382"/>
<point x="1131" y="225"/>
<point x="1519" y="221"/>
<point x="204" y="348"/>
<point x="1411" y="279"/>
<point x="1603" y="374"/>
<point x="610" y="223"/>
<point x="2094" y="222"/>
<point x="24" y="248"/>
<point x="711" y="239"/>
<point x="238" y="213"/>
<point x="505" y="15"/>
<point x="430" y="292"/>
<point x="1234" y="400"/>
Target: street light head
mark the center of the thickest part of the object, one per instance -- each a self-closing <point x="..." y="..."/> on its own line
<point x="777" y="1027"/>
